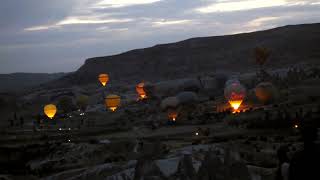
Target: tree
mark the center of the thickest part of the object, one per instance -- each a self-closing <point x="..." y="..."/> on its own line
<point x="66" y="104"/>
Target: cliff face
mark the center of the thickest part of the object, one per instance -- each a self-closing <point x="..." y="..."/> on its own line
<point x="289" y="45"/>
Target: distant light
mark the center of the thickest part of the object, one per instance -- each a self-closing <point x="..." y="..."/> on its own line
<point x="70" y="116"/>
<point x="69" y="140"/>
<point x="60" y="129"/>
<point x="69" y="129"/>
<point x="296" y="126"/>
<point x="197" y="133"/>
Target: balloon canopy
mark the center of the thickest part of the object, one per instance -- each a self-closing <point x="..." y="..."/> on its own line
<point x="266" y="92"/>
<point x="187" y="97"/>
<point x="112" y="102"/>
<point x="140" y="90"/>
<point x="82" y="102"/>
<point x="235" y="94"/>
<point x="232" y="81"/>
<point x="103" y="78"/>
<point x="50" y="110"/>
<point x="169" y="102"/>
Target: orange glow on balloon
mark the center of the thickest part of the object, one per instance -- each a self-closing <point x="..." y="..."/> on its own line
<point x="235" y="94"/>
<point x="172" y="115"/>
<point x="50" y="110"/>
<point x="140" y="90"/>
<point x="112" y="102"/>
<point x="235" y="104"/>
<point x="103" y="78"/>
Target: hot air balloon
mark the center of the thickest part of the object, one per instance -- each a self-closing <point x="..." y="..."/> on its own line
<point x="266" y="92"/>
<point x="169" y="102"/>
<point x="187" y="97"/>
<point x="172" y="114"/>
<point x="50" y="110"/>
<point x="112" y="102"/>
<point x="82" y="102"/>
<point x="232" y="81"/>
<point x="235" y="94"/>
<point x="103" y="78"/>
<point x="140" y="90"/>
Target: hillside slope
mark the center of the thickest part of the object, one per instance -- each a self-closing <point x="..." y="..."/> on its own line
<point x="19" y="81"/>
<point x="289" y="45"/>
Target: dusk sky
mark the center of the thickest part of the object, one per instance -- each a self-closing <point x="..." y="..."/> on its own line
<point x="58" y="35"/>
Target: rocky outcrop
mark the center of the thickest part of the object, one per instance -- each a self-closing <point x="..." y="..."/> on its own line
<point x="226" y="166"/>
<point x="67" y="156"/>
<point x="198" y="162"/>
<point x="191" y="57"/>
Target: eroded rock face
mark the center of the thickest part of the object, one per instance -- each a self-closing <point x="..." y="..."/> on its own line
<point x="221" y="167"/>
<point x="147" y="169"/>
<point x="66" y="174"/>
<point x="109" y="171"/>
<point x="259" y="173"/>
<point x="185" y="168"/>
<point x="168" y="166"/>
<point x="197" y="162"/>
<point x="189" y="57"/>
<point x="66" y="156"/>
<point x="187" y="164"/>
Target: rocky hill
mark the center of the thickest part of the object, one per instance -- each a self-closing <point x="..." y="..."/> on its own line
<point x="289" y="45"/>
<point x="19" y="81"/>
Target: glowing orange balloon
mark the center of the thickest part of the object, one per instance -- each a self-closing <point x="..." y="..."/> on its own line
<point x="235" y="94"/>
<point x="112" y="102"/>
<point x="172" y="114"/>
<point x="140" y="90"/>
<point x="235" y="104"/>
<point x="50" y="110"/>
<point x="266" y="92"/>
<point x="103" y="78"/>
